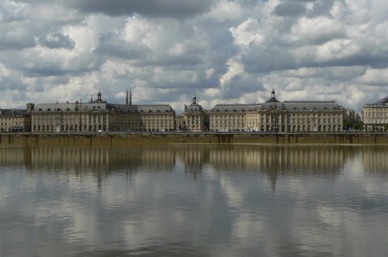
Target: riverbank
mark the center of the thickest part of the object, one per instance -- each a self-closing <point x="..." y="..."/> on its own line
<point x="27" y="139"/>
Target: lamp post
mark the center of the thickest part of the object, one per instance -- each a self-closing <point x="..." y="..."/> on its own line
<point x="80" y="114"/>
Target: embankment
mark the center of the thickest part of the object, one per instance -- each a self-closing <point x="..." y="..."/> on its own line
<point x="30" y="139"/>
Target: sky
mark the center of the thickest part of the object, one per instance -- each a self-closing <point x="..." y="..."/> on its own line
<point x="166" y="51"/>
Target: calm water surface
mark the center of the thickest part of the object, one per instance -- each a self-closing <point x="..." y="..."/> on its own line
<point x="194" y="200"/>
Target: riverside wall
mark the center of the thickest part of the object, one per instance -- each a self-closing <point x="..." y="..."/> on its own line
<point x="32" y="139"/>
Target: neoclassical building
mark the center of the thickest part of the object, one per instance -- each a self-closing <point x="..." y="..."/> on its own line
<point x="98" y="116"/>
<point x="375" y="115"/>
<point x="276" y="116"/>
<point x="234" y="117"/>
<point x="301" y="116"/>
<point x="194" y="118"/>
<point x="15" y="120"/>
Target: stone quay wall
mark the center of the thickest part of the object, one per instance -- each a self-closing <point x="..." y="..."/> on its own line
<point x="32" y="139"/>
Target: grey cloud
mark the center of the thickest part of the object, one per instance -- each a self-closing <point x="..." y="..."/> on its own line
<point x="293" y="9"/>
<point x="267" y="59"/>
<point x="12" y="83"/>
<point x="320" y="39"/>
<point x="297" y="8"/>
<point x="322" y="7"/>
<point x="239" y="86"/>
<point x="273" y="59"/>
<point x="56" y="40"/>
<point x="16" y="36"/>
<point x="152" y="8"/>
<point x="110" y="45"/>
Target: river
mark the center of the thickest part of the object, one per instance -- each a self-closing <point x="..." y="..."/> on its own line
<point x="194" y="200"/>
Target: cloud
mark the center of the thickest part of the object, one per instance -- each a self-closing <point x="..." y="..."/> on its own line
<point x="151" y="8"/>
<point x="224" y="50"/>
<point x="56" y="40"/>
<point x="290" y="9"/>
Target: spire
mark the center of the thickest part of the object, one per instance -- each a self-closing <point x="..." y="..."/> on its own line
<point x="126" y="99"/>
<point x="194" y="99"/>
<point x="130" y="97"/>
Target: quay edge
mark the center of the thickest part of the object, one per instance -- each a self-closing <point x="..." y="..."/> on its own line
<point x="32" y="139"/>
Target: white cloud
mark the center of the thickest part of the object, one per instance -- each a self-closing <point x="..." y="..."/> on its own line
<point x="225" y="51"/>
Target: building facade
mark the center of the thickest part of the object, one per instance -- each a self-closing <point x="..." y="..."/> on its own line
<point x="234" y="117"/>
<point x="375" y="115"/>
<point x="194" y="118"/>
<point x="72" y="117"/>
<point x="15" y="120"/>
<point x="100" y="116"/>
<point x="276" y="116"/>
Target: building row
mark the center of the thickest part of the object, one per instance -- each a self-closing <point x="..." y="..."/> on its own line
<point x="98" y="115"/>
<point x="375" y="116"/>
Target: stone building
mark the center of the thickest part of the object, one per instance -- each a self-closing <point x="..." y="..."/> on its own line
<point x="129" y="117"/>
<point x="194" y="118"/>
<point x="276" y="116"/>
<point x="375" y="116"/>
<point x="72" y="117"/>
<point x="301" y="116"/>
<point x="234" y="117"/>
<point x="99" y="116"/>
<point x="15" y="120"/>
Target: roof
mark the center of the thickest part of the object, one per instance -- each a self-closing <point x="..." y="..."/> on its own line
<point x="156" y="108"/>
<point x="382" y="103"/>
<point x="311" y="105"/>
<point x="273" y="103"/>
<point x="12" y="112"/>
<point x="73" y="107"/>
<point x="236" y="107"/>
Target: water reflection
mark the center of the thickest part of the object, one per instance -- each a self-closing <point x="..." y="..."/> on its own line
<point x="291" y="159"/>
<point x="194" y="200"/>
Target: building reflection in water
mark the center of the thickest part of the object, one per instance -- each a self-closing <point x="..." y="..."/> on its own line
<point x="375" y="158"/>
<point x="272" y="160"/>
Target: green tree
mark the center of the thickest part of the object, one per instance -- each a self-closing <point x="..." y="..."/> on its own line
<point x="358" y="126"/>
